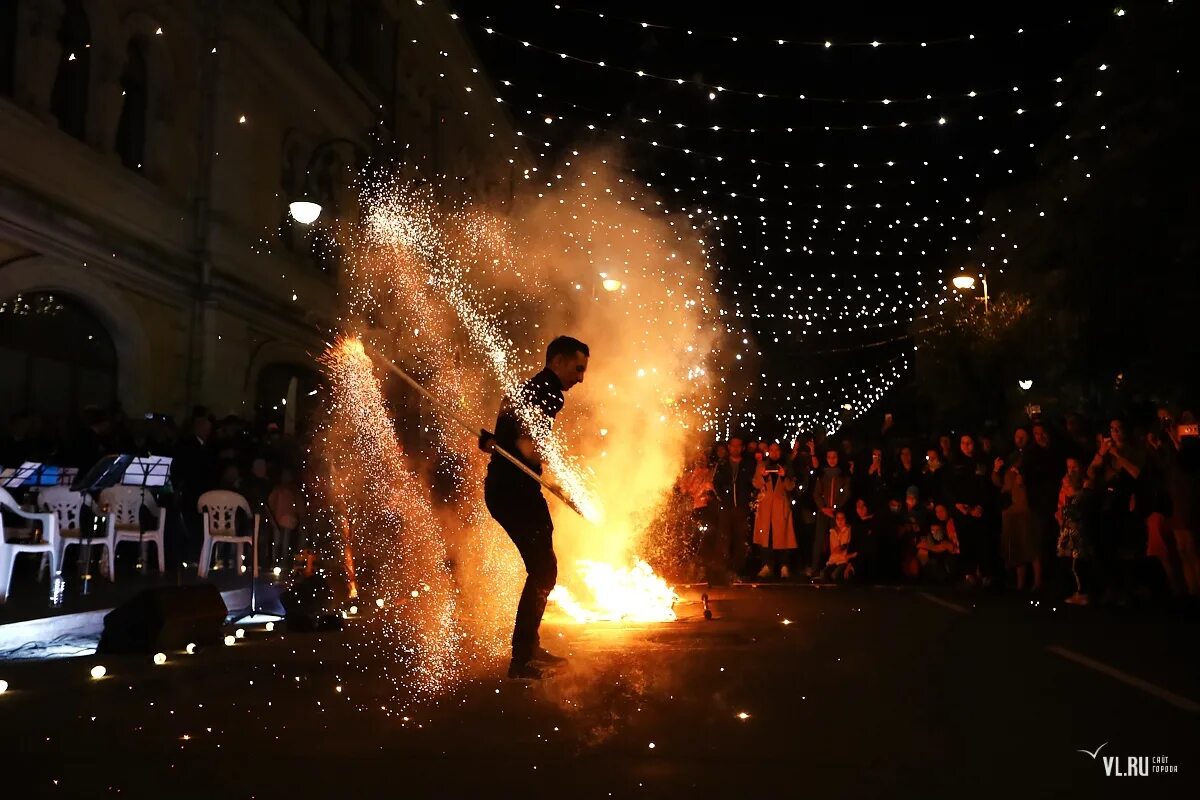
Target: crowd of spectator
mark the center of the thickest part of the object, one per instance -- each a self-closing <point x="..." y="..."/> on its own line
<point x="259" y="462"/>
<point x="1105" y="514"/>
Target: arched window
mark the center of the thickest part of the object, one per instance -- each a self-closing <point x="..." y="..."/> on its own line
<point x="8" y="46"/>
<point x="131" y="129"/>
<point x="69" y="100"/>
<point x="56" y="358"/>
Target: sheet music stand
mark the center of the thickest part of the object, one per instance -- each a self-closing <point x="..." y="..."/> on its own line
<point x="146" y="472"/>
<point x="24" y="475"/>
<point x="106" y="472"/>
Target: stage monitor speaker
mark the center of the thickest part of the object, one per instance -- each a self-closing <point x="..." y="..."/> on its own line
<point x="166" y="618"/>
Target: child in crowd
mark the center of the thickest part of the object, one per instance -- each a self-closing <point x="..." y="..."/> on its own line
<point x="937" y="550"/>
<point x="1074" y="538"/>
<point x="840" y="565"/>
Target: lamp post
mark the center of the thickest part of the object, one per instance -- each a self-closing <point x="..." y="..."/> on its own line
<point x="965" y="282"/>
<point x="306" y="209"/>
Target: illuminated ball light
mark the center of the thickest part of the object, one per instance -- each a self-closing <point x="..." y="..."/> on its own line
<point x="98" y="672"/>
<point x="160" y="659"/>
<point x="3" y="687"/>
<point x="229" y="641"/>
<point x="191" y="649"/>
<point x="240" y="633"/>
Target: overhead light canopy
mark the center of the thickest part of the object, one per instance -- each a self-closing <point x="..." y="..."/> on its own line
<point x="305" y="211"/>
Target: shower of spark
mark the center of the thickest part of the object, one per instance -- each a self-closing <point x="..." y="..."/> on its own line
<point x="447" y="291"/>
<point x="389" y="525"/>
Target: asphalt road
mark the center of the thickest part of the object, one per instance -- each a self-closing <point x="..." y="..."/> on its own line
<point x="863" y="693"/>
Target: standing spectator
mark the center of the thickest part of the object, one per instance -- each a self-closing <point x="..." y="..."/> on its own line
<point x="905" y="474"/>
<point x="867" y="539"/>
<point x="1120" y="537"/>
<point x="774" y="536"/>
<point x="875" y="482"/>
<point x="733" y="485"/>
<point x="284" y="503"/>
<point x="1182" y="459"/>
<point x="934" y="479"/>
<point x="1074" y="520"/>
<point x="946" y="449"/>
<point x="841" y="558"/>
<point x="968" y="495"/>
<point x="831" y="493"/>
<point x="1019" y="542"/>
<point x="193" y="472"/>
<point x="697" y="485"/>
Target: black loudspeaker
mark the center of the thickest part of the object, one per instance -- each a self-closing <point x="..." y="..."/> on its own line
<point x="168" y="618"/>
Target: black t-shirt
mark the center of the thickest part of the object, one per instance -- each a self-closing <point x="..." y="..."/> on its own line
<point x="543" y="392"/>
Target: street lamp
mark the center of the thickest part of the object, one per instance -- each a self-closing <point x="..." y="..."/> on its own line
<point x="306" y="209"/>
<point x="611" y="284"/>
<point x="965" y="282"/>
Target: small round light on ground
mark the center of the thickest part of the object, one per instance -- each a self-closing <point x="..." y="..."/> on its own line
<point x="191" y="648"/>
<point x="240" y="633"/>
<point x="229" y="640"/>
<point x="379" y="602"/>
<point x="160" y="658"/>
<point x="277" y="572"/>
<point x="4" y="687"/>
<point x="353" y="610"/>
<point x="652" y="745"/>
<point x="270" y="626"/>
<point x="98" y="671"/>
<point x="337" y="689"/>
<point x="743" y="715"/>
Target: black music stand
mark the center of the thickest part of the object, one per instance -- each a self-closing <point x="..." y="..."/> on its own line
<point x="146" y="472"/>
<point x="106" y="472"/>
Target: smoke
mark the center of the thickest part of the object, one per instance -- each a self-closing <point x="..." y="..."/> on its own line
<point x="466" y="299"/>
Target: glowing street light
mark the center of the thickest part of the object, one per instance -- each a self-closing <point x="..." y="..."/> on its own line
<point x="304" y="211"/>
<point x="965" y="282"/>
<point x="611" y="284"/>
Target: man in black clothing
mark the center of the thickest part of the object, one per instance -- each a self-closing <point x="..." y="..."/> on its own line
<point x="515" y="500"/>
<point x="733" y="484"/>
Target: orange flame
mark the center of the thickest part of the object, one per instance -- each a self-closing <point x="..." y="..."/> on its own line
<point x="630" y="594"/>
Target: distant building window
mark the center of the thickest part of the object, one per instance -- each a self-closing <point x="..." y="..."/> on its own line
<point x="69" y="100"/>
<point x="55" y="355"/>
<point x="131" y="129"/>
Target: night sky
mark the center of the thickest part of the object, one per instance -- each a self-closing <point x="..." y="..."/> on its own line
<point x="839" y="217"/>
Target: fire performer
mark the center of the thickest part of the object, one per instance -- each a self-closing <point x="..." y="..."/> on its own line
<point x="515" y="500"/>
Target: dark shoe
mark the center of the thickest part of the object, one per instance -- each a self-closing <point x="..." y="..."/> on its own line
<point x="524" y="672"/>
<point x="544" y="656"/>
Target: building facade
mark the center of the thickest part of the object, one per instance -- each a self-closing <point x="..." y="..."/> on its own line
<point x="148" y="155"/>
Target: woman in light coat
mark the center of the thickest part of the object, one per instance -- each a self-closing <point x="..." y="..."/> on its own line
<point x="774" y="535"/>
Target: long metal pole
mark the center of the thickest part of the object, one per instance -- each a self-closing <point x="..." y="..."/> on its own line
<point x="473" y="430"/>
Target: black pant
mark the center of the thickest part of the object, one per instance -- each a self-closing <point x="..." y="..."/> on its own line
<point x="525" y="517"/>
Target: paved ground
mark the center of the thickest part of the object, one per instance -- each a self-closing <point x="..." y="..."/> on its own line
<point x="866" y="693"/>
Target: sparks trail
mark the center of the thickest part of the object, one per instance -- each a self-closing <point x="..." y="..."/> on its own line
<point x="451" y="289"/>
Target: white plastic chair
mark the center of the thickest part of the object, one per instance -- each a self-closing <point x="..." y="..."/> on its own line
<point x="10" y="550"/>
<point x="67" y="507"/>
<point x="125" y="522"/>
<point x="219" y="511"/>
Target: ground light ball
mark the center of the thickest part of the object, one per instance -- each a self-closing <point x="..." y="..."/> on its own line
<point x="353" y="610"/>
<point x="160" y="658"/>
<point x="270" y="626"/>
<point x="3" y="687"/>
<point x="98" y="671"/>
<point x="191" y="649"/>
<point x="379" y="602"/>
<point x="229" y="640"/>
<point x="240" y="633"/>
